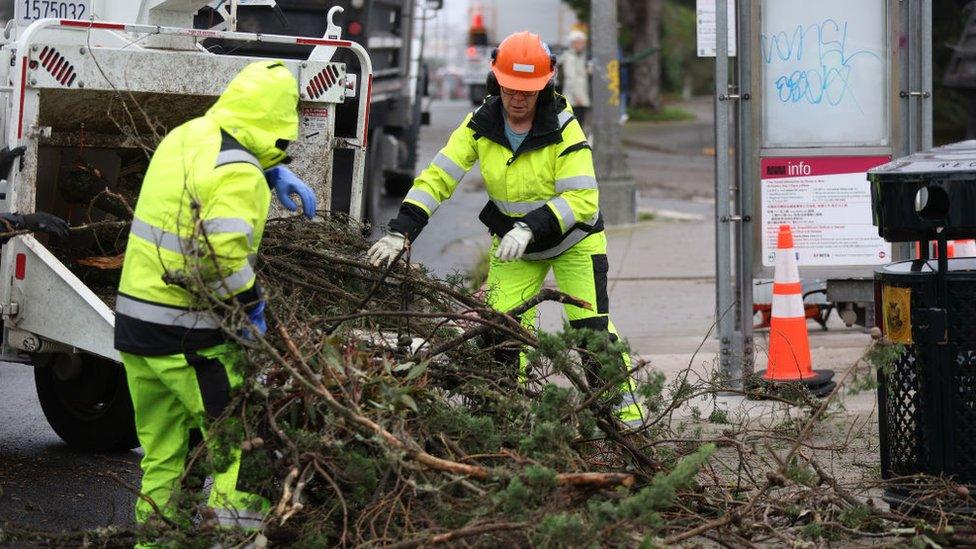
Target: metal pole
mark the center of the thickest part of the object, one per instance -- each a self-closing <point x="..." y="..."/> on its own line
<point x="926" y="76"/>
<point x="233" y="15"/>
<point x="902" y="107"/>
<point x="618" y="195"/>
<point x="723" y="238"/>
<point x="746" y="178"/>
<point x="913" y="10"/>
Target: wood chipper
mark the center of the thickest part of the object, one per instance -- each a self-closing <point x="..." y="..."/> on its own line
<point x="89" y="99"/>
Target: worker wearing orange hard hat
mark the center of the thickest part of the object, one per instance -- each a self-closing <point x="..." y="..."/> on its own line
<point x="543" y="208"/>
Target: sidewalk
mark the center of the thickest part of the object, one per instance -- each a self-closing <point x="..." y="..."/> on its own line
<point x="674" y="159"/>
<point x="662" y="287"/>
<point x="693" y="137"/>
<point x="662" y="300"/>
<point x="662" y="296"/>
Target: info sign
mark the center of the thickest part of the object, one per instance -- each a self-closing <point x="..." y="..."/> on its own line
<point x="826" y="200"/>
<point x="708" y="29"/>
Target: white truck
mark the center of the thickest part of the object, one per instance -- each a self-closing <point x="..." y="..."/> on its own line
<point x="393" y="31"/>
<point x="90" y="83"/>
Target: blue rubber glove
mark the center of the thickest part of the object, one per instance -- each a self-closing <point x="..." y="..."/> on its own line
<point x="286" y="183"/>
<point x="256" y="316"/>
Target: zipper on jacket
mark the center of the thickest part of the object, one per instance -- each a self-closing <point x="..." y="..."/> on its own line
<point x="510" y="160"/>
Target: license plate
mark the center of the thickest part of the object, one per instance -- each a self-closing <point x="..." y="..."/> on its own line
<point x="32" y="10"/>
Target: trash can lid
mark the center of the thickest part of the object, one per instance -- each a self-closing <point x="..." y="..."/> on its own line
<point x="956" y="157"/>
<point x="959" y="266"/>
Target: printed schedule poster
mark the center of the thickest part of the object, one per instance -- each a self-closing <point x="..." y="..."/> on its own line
<point x="826" y="200"/>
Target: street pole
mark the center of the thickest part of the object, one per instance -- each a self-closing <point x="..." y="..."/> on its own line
<point x="729" y="367"/>
<point x="746" y="156"/>
<point x="618" y="195"/>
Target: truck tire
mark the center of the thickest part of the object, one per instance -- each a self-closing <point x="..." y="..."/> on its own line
<point x="398" y="184"/>
<point x="372" y="188"/>
<point x="86" y="401"/>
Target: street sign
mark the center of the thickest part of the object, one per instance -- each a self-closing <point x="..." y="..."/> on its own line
<point x="821" y="92"/>
<point x="705" y="10"/>
<point x="827" y="202"/>
<point x="824" y="88"/>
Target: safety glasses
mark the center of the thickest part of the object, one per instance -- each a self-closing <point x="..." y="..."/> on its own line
<point x="513" y="93"/>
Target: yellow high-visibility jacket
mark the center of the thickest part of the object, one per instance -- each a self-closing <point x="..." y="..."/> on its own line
<point x="202" y="207"/>
<point x="548" y="183"/>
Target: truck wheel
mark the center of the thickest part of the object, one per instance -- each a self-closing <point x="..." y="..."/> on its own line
<point x="86" y="401"/>
<point x="398" y="184"/>
<point x="477" y="94"/>
<point x="373" y="188"/>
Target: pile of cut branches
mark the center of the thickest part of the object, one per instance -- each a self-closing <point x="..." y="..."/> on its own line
<point x="377" y="412"/>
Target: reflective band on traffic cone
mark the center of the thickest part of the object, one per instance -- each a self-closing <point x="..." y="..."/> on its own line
<point x="789" y="343"/>
<point x="965" y="248"/>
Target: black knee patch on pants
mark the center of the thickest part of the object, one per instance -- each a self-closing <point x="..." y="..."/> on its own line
<point x="213" y="381"/>
<point x="596" y="323"/>
<point x="601" y="268"/>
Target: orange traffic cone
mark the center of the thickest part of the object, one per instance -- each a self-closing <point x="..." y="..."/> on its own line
<point x="789" y="344"/>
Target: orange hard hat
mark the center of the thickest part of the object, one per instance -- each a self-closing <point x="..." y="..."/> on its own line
<point x="522" y="62"/>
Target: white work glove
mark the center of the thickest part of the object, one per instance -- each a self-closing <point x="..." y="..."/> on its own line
<point x="513" y="244"/>
<point x="386" y="249"/>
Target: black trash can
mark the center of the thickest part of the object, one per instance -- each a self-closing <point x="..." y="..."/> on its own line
<point x="927" y="396"/>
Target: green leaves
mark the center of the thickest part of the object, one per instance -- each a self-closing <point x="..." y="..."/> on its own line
<point x="414" y="370"/>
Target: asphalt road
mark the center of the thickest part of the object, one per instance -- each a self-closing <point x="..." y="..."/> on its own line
<point x="680" y="176"/>
<point x="44" y="485"/>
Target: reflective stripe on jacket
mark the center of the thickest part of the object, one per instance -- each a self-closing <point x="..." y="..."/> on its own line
<point x="200" y="215"/>
<point x="548" y="183"/>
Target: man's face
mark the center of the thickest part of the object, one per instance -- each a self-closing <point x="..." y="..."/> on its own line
<point x="519" y="104"/>
<point x="579" y="45"/>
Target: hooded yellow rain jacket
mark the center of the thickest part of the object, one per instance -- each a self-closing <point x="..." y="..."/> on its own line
<point x="204" y="201"/>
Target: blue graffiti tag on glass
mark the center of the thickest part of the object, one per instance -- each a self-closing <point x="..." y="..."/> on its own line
<point x="817" y="63"/>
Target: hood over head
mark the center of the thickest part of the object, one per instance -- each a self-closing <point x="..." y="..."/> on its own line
<point x="259" y="109"/>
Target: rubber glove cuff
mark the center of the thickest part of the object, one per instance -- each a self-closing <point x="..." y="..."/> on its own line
<point x="257" y="320"/>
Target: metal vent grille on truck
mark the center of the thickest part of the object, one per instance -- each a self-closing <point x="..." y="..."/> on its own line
<point x="321" y="82"/>
<point x="57" y="66"/>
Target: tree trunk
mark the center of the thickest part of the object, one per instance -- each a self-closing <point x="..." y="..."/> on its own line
<point x="645" y="72"/>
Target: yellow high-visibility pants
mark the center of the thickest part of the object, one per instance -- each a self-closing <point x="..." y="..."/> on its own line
<point x="581" y="272"/>
<point x="171" y="395"/>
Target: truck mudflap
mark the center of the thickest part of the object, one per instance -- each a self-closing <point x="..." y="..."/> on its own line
<point x="42" y="297"/>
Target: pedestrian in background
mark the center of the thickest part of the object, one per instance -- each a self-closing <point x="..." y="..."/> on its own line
<point x="575" y="69"/>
